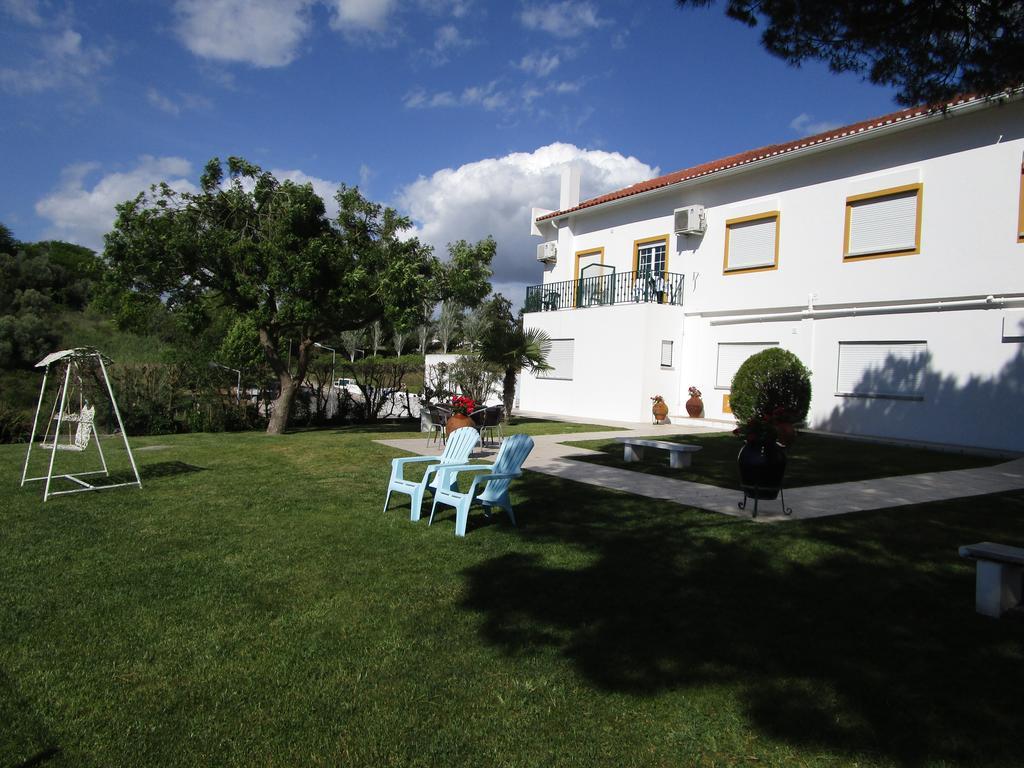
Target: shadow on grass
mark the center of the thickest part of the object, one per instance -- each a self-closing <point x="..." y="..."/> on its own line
<point x="153" y="471"/>
<point x="812" y="460"/>
<point x="25" y="742"/>
<point x="856" y="635"/>
<point x="406" y="425"/>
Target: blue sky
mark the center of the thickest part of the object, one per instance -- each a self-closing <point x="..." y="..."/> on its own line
<point x="457" y="112"/>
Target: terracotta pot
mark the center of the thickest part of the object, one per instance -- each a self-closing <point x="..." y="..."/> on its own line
<point x="762" y="466"/>
<point x="660" y="410"/>
<point x="456" y="421"/>
<point x="694" y="407"/>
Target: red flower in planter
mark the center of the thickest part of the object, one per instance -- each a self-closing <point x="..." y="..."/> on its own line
<point x="463" y="405"/>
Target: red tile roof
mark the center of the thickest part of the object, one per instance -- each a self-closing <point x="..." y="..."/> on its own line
<point x="763" y="153"/>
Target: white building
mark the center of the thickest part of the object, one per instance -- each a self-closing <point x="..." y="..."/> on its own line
<point x="888" y="255"/>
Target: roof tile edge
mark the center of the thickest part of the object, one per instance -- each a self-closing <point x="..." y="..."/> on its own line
<point x="751" y="156"/>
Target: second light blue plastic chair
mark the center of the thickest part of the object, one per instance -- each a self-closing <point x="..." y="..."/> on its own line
<point x="497" y="478"/>
<point x="456" y="451"/>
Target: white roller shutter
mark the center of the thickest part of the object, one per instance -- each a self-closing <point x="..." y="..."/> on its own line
<point x="732" y="356"/>
<point x="752" y="244"/>
<point x="883" y="224"/>
<point x="560" y="358"/>
<point x="882" y="369"/>
<point x="666" y="354"/>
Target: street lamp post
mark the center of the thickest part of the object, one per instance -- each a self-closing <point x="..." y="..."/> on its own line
<point x="238" y="388"/>
<point x="334" y="357"/>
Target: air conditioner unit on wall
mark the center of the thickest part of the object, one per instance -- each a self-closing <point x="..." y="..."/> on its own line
<point x="547" y="252"/>
<point x="690" y="220"/>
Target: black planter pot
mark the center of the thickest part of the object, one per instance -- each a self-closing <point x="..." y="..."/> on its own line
<point x="762" y="467"/>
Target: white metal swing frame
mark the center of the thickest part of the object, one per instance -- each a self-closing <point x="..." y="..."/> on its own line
<point x="74" y="358"/>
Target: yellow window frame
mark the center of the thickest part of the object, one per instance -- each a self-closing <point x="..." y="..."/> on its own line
<point x="637" y="244"/>
<point x="765" y="216"/>
<point x="890" y="192"/>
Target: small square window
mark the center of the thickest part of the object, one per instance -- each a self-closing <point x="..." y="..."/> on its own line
<point x="666" y="354"/>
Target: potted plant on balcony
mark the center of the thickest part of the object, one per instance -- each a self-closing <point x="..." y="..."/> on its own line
<point x="695" y="405"/>
<point x="462" y="406"/>
<point x="771" y="393"/>
<point x="659" y="409"/>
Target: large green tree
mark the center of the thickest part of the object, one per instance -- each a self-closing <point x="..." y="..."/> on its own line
<point x="506" y="343"/>
<point x="928" y="50"/>
<point x="38" y="281"/>
<point x="266" y="249"/>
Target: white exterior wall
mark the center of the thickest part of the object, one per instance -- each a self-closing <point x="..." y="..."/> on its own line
<point x="970" y="169"/>
<point x="617" y="365"/>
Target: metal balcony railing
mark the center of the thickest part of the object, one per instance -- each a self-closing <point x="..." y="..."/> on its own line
<point x="606" y="290"/>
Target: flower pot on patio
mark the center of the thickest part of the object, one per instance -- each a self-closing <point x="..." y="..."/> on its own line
<point x="456" y="421"/>
<point x="659" y="410"/>
<point x="762" y="466"/>
<point x="694" y="407"/>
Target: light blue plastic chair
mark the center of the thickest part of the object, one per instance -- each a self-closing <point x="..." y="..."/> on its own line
<point x="456" y="451"/>
<point x="498" y="477"/>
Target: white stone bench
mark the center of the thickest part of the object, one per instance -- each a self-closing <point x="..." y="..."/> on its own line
<point x="679" y="454"/>
<point x="998" y="581"/>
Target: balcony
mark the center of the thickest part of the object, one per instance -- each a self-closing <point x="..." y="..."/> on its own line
<point x="606" y="290"/>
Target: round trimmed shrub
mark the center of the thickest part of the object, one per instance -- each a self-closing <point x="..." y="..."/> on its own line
<point x="771" y="381"/>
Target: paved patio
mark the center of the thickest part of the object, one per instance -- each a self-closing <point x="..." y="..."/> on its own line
<point x="551" y="457"/>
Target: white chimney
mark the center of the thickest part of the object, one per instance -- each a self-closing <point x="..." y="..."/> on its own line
<point x="570" y="194"/>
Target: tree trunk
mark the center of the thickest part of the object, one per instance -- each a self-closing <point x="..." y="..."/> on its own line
<point x="282" y="406"/>
<point x="508" y="391"/>
<point x="287" y="383"/>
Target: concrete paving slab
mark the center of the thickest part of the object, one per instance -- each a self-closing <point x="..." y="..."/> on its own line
<point x="551" y="456"/>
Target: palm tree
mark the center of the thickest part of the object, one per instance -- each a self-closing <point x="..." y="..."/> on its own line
<point x="513" y="347"/>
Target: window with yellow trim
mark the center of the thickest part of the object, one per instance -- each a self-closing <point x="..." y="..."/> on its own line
<point x="883" y="223"/>
<point x="585" y="259"/>
<point x="752" y="243"/>
<point x="651" y="256"/>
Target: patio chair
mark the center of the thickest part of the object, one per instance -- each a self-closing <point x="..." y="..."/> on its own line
<point x="456" y="451"/>
<point x="497" y="478"/>
<point x="438" y="418"/>
<point x="493" y="416"/>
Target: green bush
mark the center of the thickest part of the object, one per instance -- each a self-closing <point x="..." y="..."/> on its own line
<point x="772" y="382"/>
<point x="15" y="424"/>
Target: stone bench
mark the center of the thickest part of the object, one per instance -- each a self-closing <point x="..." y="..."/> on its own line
<point x="679" y="454"/>
<point x="998" y="581"/>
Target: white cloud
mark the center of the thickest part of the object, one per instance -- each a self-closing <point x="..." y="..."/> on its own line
<point x="361" y="15"/>
<point x="161" y="102"/>
<point x="264" y="33"/>
<point x="488" y="96"/>
<point x="565" y="19"/>
<point x="539" y="64"/>
<point x="494" y="197"/>
<point x="323" y="187"/>
<point x="83" y="214"/>
<point x="366" y="174"/>
<point x="184" y="101"/>
<point x="447" y="39"/>
<point x="456" y="8"/>
<point x="25" y="11"/>
<point x="64" y="62"/>
<point x="805" y="125"/>
<point x="566" y="86"/>
<point x="270" y="33"/>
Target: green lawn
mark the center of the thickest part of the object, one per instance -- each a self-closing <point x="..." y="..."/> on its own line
<point x="252" y="605"/>
<point x="811" y="460"/>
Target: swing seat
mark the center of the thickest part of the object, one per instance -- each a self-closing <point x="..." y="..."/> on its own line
<point x="83" y="434"/>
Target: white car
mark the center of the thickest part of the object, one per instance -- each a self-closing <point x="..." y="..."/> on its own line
<point x="350" y="386"/>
